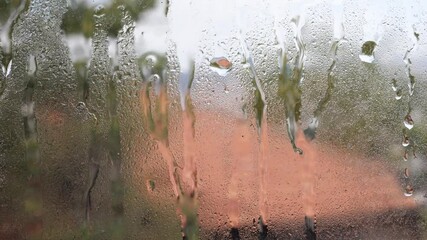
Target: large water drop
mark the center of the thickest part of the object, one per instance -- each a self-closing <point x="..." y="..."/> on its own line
<point x="367" y="54"/>
<point x="409" y="123"/>
<point x="409" y="190"/>
<point x="405" y="141"/>
<point x="221" y="65"/>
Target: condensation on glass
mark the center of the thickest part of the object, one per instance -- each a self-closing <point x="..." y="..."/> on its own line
<point x="167" y="119"/>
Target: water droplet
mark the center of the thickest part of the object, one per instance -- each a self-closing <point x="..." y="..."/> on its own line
<point x="221" y="65"/>
<point x="27" y="109"/>
<point x="411" y="85"/>
<point x="99" y="10"/>
<point x="405" y="141"/>
<point x="394" y="84"/>
<point x="409" y="123"/>
<point x="81" y="106"/>
<point x="243" y="59"/>
<point x="32" y="65"/>
<point x="367" y="54"/>
<point x="405" y="156"/>
<point x="226" y="90"/>
<point x="406" y="173"/>
<point x="151" y="185"/>
<point x="151" y="60"/>
<point x="398" y="94"/>
<point x="154" y="78"/>
<point x="409" y="190"/>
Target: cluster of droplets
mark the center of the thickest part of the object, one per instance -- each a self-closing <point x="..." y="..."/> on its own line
<point x="408" y="122"/>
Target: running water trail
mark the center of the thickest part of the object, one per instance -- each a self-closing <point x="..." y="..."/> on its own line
<point x="189" y="200"/>
<point x="407" y="121"/>
<point x="157" y="126"/>
<point x="290" y="91"/>
<point x="337" y="40"/>
<point x="184" y="181"/>
<point x="93" y="94"/>
<point x="33" y="195"/>
<point x="310" y="132"/>
<point x="290" y="81"/>
<point x="262" y="126"/>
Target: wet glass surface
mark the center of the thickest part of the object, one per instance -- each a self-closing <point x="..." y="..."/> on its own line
<point x="167" y="119"/>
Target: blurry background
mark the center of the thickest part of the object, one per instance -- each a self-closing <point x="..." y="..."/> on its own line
<point x="106" y="105"/>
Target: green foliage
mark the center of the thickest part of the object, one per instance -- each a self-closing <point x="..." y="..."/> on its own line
<point x="79" y="18"/>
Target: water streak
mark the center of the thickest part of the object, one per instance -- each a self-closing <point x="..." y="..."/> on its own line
<point x="289" y="84"/>
<point x="262" y="127"/>
<point x="190" y="170"/>
<point x="338" y="39"/>
<point x="92" y="98"/>
<point x="157" y="126"/>
<point x="408" y="62"/>
<point x="33" y="197"/>
<point x="185" y="186"/>
<point x="115" y="153"/>
<point x="408" y="122"/>
<point x="185" y="33"/>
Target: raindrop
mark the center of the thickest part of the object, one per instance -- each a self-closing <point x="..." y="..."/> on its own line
<point x="99" y="10"/>
<point x="367" y="54"/>
<point x="409" y="190"/>
<point x="243" y="60"/>
<point x="151" y="60"/>
<point x="405" y="141"/>
<point x="154" y="78"/>
<point x="406" y="173"/>
<point x="221" y="65"/>
<point x="398" y="94"/>
<point x="409" y="123"/>
<point x="32" y="65"/>
<point x="226" y="90"/>
<point x="394" y="84"/>
<point x="151" y="185"/>
<point x="81" y="105"/>
<point x="405" y="156"/>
